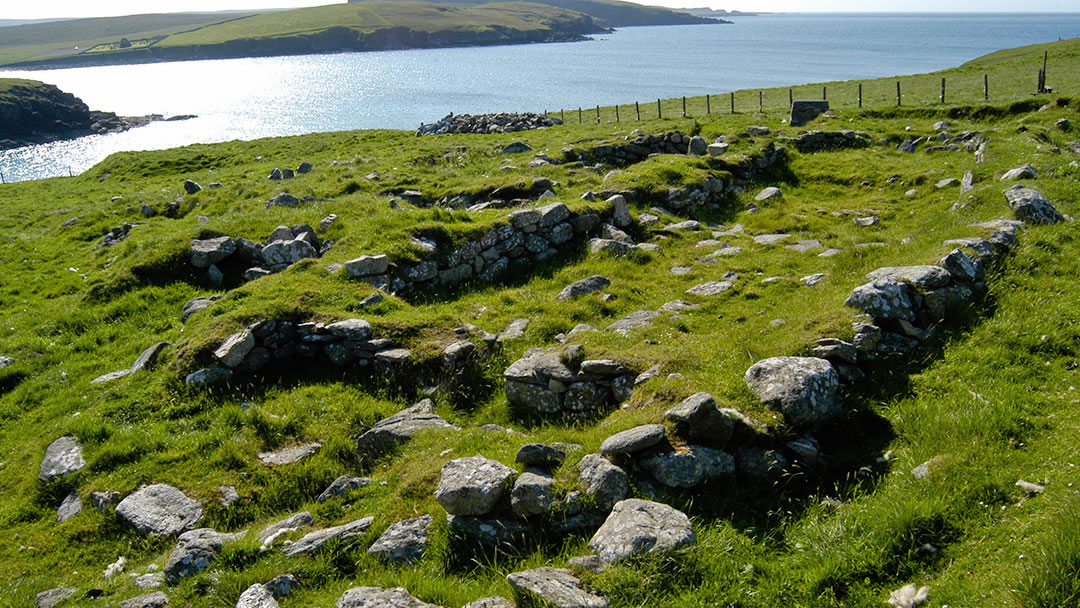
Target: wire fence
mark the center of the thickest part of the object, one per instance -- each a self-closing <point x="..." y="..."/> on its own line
<point x="921" y="91"/>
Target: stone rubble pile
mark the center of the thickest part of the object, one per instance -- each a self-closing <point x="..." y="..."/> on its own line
<point x="285" y="246"/>
<point x="562" y="384"/>
<point x="503" y="122"/>
<point x="347" y="342"/>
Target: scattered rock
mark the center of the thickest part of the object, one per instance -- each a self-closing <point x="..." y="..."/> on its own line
<point x="472" y="486"/>
<point x="768" y="194"/>
<point x="377" y="597"/>
<point x="256" y="596"/>
<point x="342" y="485"/>
<point x="641" y="526"/>
<point x="711" y="288"/>
<point x="532" y="493"/>
<point x="70" y="507"/>
<point x="583" y="287"/>
<point x="403" y="542"/>
<point x="636" y="320"/>
<point x="1031" y="206"/>
<point x="151" y="580"/>
<point x="62" y="457"/>
<point x="1025" y="172"/>
<point x="191" y="187"/>
<point x="554" y="587"/>
<point x="52" y="597"/>
<point x="390" y="432"/>
<point x="195" y="551"/>
<point x="490" y="602"/>
<point x="541" y="455"/>
<point x="232" y="351"/>
<point x="294" y="522"/>
<point x="283" y="199"/>
<point x="698" y="417"/>
<point x="205" y="252"/>
<point x="770" y="239"/>
<point x="688" y="466"/>
<point x="156" y="599"/>
<point x="290" y="454"/>
<point x="314" y="541"/>
<point x="208" y="377"/>
<point x="281" y="585"/>
<point x="160" y="510"/>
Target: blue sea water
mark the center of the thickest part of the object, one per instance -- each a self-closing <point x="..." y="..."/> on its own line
<point x="262" y="97"/>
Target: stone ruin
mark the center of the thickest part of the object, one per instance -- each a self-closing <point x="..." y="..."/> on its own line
<point x="561" y="384"/>
<point x="232" y="260"/>
<point x="502" y="122"/>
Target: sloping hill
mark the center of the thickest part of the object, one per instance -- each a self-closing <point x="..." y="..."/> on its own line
<point x="333" y="28"/>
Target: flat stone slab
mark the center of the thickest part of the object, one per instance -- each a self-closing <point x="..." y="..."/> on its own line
<point x="768" y="194"/>
<point x="289" y="524"/>
<point x="290" y="454"/>
<point x="923" y="277"/>
<point x="636" y="320"/>
<point x="726" y="251"/>
<point x="156" y="599"/>
<point x="770" y="239"/>
<point x="400" y="428"/>
<point x="677" y="306"/>
<point x="805" y="246"/>
<point x="160" y="510"/>
<point x="641" y="526"/>
<point x="711" y="288"/>
<point x="377" y="597"/>
<point x="314" y="541"/>
<point x="109" y="377"/>
<point x="555" y="587"/>
<point x="52" y="597"/>
<point x="583" y="287"/>
<point x="62" y="457"/>
<point x="633" y="440"/>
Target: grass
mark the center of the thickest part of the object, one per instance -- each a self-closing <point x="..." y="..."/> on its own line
<point x="993" y="399"/>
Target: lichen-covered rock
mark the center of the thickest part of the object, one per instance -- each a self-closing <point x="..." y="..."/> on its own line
<point x="289" y="454"/>
<point x="472" y="486"/>
<point x="377" y="597"/>
<point x="532" y="493"/>
<point x="156" y="599"/>
<point x="920" y="277"/>
<point x="403" y="542"/>
<point x="232" y="351"/>
<point x="256" y="596"/>
<point x="1031" y="206"/>
<point x="803" y="389"/>
<point x="314" y="541"/>
<point x="401" y="427"/>
<point x="194" y="551"/>
<point x="490" y="602"/>
<point x="70" y="507"/>
<point x="605" y="482"/>
<point x="698" y="417"/>
<point x="540" y="455"/>
<point x="294" y="522"/>
<point x="688" y="466"/>
<point x="584" y="287"/>
<point x="205" y="252"/>
<point x="52" y="597"/>
<point x="883" y="299"/>
<point x="641" y="526"/>
<point x="555" y="587"/>
<point x="160" y="510"/>
<point x="62" y="457"/>
<point x="633" y="440"/>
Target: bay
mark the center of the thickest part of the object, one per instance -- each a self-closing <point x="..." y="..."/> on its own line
<point x="265" y="97"/>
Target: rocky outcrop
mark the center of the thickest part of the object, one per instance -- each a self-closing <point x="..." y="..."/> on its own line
<point x="555" y="384"/>
<point x="1031" y="206"/>
<point x="159" y="510"/>
<point x="488" y="123"/>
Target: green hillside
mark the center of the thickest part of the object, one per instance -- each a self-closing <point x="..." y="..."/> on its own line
<point x="615" y="13"/>
<point x="332" y="28"/>
<point x="907" y="475"/>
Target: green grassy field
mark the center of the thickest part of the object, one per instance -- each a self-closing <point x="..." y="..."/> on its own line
<point x="994" y="397"/>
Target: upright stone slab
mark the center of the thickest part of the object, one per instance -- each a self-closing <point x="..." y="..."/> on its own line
<point x="805" y="110"/>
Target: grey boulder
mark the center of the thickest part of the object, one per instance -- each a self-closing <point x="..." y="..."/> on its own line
<point x="698" y="417"/>
<point x="883" y="299"/>
<point x="532" y="493"/>
<point x="472" y="486"/>
<point x="377" y="597"/>
<point x="401" y="427"/>
<point x="583" y="287"/>
<point x="256" y="596"/>
<point x="342" y="485"/>
<point x="605" y="482"/>
<point x="403" y="542"/>
<point x="641" y="526"/>
<point x="52" y="597"/>
<point x="62" y="457"/>
<point x="803" y="389"/>
<point x="633" y="440"/>
<point x="689" y="466"/>
<point x="1032" y="207"/>
<point x="313" y="541"/>
<point x="205" y="252"/>
<point x="156" y="599"/>
<point x="555" y="587"/>
<point x="159" y="510"/>
<point x="194" y="551"/>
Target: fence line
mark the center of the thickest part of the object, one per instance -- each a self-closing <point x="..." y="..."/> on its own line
<point x="854" y="96"/>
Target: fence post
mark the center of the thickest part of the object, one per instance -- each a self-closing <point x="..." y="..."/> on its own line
<point x="708" y="107"/>
<point x="637" y="108"/>
<point x="562" y="115"/>
<point x="597" y="114"/>
<point x="898" y="92"/>
<point x="986" y="87"/>
<point x="760" y="101"/>
<point x="790" y="98"/>
<point x="943" y="90"/>
<point x="616" y="112"/>
<point x="824" y="92"/>
<point x="579" y="115"/>
<point x="733" y="102"/>
<point x="659" y="111"/>
<point x="684" y="107"/>
<point x="860" y="94"/>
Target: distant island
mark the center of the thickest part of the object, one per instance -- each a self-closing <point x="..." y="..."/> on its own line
<point x="370" y="25"/>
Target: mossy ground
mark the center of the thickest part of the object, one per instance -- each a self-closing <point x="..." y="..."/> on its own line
<point x="995" y="396"/>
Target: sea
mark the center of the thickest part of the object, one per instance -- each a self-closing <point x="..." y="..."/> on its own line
<point x="252" y="98"/>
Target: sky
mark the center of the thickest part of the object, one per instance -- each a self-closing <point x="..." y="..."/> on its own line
<point x="49" y="9"/>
